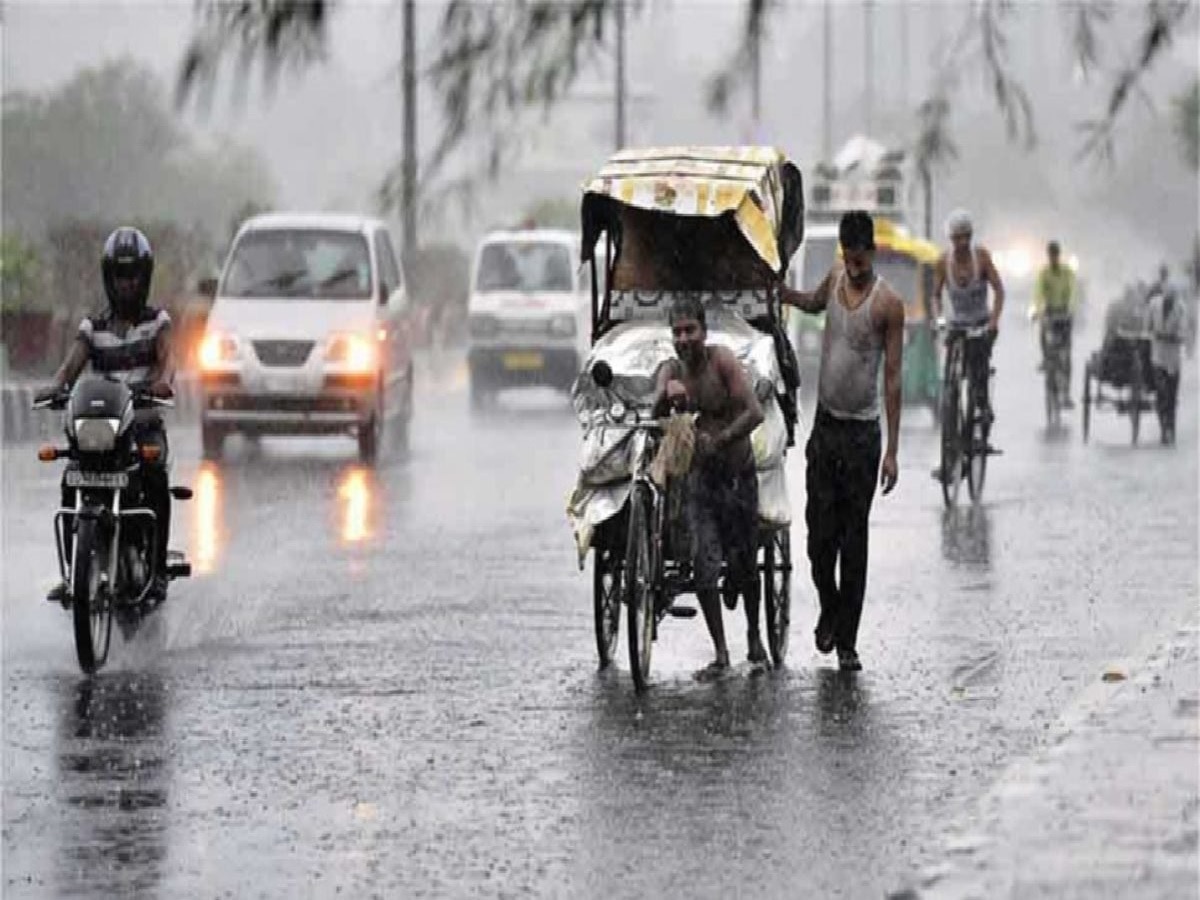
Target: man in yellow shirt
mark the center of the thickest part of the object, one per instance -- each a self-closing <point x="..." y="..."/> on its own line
<point x="1055" y="298"/>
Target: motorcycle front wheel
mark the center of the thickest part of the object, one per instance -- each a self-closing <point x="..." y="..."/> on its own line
<point x="90" y="609"/>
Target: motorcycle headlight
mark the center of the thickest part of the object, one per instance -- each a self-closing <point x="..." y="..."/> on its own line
<point x="617" y="411"/>
<point x="96" y="435"/>
<point x="562" y="326"/>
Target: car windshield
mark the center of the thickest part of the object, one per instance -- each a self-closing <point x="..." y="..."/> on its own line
<point x="300" y="264"/>
<point x="524" y="266"/>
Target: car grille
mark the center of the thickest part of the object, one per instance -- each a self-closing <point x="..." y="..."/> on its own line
<point x="283" y="353"/>
<point x="276" y="403"/>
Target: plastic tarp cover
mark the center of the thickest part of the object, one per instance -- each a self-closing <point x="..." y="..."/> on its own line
<point x="635" y="351"/>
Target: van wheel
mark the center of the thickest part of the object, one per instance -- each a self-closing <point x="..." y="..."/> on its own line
<point x="481" y="397"/>
<point x="212" y="441"/>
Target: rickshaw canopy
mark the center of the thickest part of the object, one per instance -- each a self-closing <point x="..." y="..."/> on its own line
<point x="758" y="187"/>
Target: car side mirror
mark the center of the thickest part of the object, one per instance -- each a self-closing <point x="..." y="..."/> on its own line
<point x="207" y="287"/>
<point x="602" y="374"/>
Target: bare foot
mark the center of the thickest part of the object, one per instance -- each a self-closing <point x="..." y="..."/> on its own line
<point x="758" y="653"/>
<point x="714" y="671"/>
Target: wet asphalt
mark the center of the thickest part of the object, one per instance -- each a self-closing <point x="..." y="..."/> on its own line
<point x="383" y="682"/>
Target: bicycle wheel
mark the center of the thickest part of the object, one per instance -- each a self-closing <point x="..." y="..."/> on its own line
<point x="951" y="421"/>
<point x="606" y="603"/>
<point x="90" y="610"/>
<point x="1051" y="390"/>
<point x="639" y="587"/>
<point x="976" y="439"/>
<point x="777" y="590"/>
<point x="1087" y="400"/>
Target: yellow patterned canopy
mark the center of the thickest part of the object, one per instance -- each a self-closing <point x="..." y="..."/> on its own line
<point x="757" y="185"/>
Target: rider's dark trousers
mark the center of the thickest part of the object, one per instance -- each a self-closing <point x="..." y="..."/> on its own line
<point x="1064" y="329"/>
<point x="1166" y="396"/>
<point x="155" y="485"/>
<point x="843" y="465"/>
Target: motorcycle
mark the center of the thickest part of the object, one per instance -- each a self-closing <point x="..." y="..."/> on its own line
<point x="113" y="558"/>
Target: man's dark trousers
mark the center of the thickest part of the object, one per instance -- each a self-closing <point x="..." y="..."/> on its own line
<point x="843" y="466"/>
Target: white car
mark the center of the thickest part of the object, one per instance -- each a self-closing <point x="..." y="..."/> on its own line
<point x="309" y="333"/>
<point x="529" y="312"/>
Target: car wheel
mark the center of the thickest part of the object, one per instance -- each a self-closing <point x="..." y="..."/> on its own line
<point x="212" y="441"/>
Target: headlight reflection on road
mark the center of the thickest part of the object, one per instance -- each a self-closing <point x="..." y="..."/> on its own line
<point x="354" y="506"/>
<point x="207" y="529"/>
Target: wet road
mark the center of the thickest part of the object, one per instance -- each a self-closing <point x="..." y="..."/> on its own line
<point x="382" y="683"/>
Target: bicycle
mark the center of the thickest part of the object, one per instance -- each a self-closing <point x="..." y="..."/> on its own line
<point x="1056" y="367"/>
<point x="966" y="414"/>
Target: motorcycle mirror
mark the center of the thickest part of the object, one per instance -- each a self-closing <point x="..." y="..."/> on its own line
<point x="602" y="374"/>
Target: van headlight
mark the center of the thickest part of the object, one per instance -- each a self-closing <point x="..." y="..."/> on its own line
<point x="562" y="326"/>
<point x="96" y="435"/>
<point x="483" y="326"/>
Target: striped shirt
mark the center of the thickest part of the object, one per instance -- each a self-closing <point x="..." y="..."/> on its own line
<point x="129" y="356"/>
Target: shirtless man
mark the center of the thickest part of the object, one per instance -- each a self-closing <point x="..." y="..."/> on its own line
<point x="722" y="487"/>
<point x="864" y="326"/>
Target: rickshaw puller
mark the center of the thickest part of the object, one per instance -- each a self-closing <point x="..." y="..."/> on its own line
<point x="722" y="486"/>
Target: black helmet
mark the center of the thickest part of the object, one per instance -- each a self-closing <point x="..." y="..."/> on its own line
<point x="1053" y="249"/>
<point x="127" y="254"/>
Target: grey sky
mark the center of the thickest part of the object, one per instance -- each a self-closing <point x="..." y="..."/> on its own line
<point x="330" y="135"/>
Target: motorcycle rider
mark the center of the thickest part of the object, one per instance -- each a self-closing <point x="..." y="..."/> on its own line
<point x="1055" y="299"/>
<point x="131" y="342"/>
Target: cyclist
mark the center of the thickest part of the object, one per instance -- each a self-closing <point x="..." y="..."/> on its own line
<point x="966" y="272"/>
<point x="1055" y="299"/>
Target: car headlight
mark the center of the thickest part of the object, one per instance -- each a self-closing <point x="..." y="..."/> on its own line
<point x="562" y="326"/>
<point x="355" y="352"/>
<point x="218" y="350"/>
<point x="483" y="326"/>
<point x="96" y="435"/>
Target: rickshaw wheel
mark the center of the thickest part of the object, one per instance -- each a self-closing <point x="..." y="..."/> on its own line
<point x="777" y="591"/>
<point x="1087" y="400"/>
<point x="639" y="587"/>
<point x="606" y="603"/>
<point x="1135" y="397"/>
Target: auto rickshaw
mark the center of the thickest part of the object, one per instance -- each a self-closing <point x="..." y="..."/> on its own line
<point x="720" y="224"/>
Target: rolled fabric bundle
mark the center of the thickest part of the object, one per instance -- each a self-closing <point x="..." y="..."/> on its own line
<point x="674" y="457"/>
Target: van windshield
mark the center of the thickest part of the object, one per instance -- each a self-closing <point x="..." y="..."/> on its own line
<point x="300" y="264"/>
<point x="524" y="266"/>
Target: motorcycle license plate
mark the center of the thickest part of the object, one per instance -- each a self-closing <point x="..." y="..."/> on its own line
<point x="114" y="480"/>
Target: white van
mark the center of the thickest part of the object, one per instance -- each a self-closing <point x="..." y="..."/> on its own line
<point x="529" y="312"/>
<point x="309" y="333"/>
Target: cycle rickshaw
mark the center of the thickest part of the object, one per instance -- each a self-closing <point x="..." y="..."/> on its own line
<point x="721" y="224"/>
<point x="1122" y="364"/>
